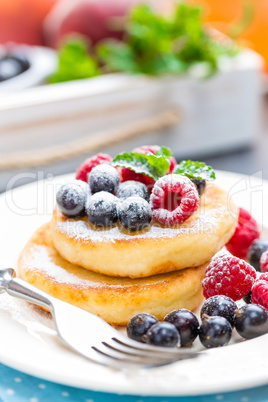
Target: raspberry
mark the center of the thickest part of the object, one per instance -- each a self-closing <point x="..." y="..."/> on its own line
<point x="260" y="291"/>
<point x="128" y="174"/>
<point x="229" y="276"/>
<point x="174" y="199"/>
<point x="245" y="233"/>
<point x="264" y="262"/>
<point x="146" y="149"/>
<point x="86" y="167"/>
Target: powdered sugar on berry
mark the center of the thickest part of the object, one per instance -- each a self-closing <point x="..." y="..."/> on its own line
<point x="161" y="196"/>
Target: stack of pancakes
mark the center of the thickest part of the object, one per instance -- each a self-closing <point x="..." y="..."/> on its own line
<point x="115" y="274"/>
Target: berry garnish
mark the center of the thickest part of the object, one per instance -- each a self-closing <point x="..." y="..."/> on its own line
<point x="200" y="185"/>
<point x="162" y="334"/>
<point x="71" y="199"/>
<point x="139" y="325"/>
<point x="264" y="261"/>
<point x="146" y="165"/>
<point x="130" y="175"/>
<point x="86" y="167"/>
<point x="215" y="332"/>
<point x="257" y="248"/>
<point x="229" y="276"/>
<point x="174" y="199"/>
<point x="101" y="209"/>
<point x="153" y="149"/>
<point x="186" y="323"/>
<point x="245" y="233"/>
<point x="260" y="291"/>
<point x="104" y="178"/>
<point x="134" y="213"/>
<point x="221" y="306"/>
<point x="132" y="188"/>
<point x="247" y="298"/>
<point x="251" y="321"/>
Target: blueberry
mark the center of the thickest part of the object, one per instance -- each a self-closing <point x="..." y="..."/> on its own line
<point x="255" y="251"/>
<point x="251" y="321"/>
<point x="162" y="334"/>
<point x="215" y="332"/>
<point x="220" y="305"/>
<point x="186" y="323"/>
<point x="132" y="188"/>
<point x="139" y="325"/>
<point x="134" y="213"/>
<point x="71" y="200"/>
<point x="247" y="298"/>
<point x="104" y="177"/>
<point x="200" y="185"/>
<point x="101" y="209"/>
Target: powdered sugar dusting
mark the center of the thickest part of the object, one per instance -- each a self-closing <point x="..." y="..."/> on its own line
<point x="82" y="231"/>
<point x="41" y="260"/>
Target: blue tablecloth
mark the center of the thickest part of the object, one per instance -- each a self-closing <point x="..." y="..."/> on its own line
<point x="16" y="386"/>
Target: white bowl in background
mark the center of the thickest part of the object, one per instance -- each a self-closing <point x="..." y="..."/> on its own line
<point x="43" y="62"/>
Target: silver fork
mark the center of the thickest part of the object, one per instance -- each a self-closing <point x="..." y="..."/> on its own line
<point x="90" y="335"/>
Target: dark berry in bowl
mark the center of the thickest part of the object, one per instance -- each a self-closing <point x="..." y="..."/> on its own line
<point x="200" y="185"/>
<point x="22" y="60"/>
<point x="139" y="325"/>
<point x="247" y="298"/>
<point x="132" y="188"/>
<point x="104" y="177"/>
<point x="186" y="323"/>
<point x="162" y="334"/>
<point x="257" y="248"/>
<point x="101" y="209"/>
<point x="220" y="305"/>
<point x="71" y="200"/>
<point x="215" y="332"/>
<point x="9" y="68"/>
<point x="134" y="213"/>
<point x="251" y="321"/>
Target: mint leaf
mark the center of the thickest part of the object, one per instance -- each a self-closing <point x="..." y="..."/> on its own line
<point x="74" y="62"/>
<point x="164" y="151"/>
<point x="156" y="44"/>
<point x="195" y="170"/>
<point x="154" y="166"/>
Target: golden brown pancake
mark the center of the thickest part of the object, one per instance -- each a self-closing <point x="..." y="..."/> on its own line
<point x="114" y="299"/>
<point x="156" y="250"/>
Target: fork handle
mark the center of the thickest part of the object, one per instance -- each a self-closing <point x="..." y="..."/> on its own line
<point x="23" y="290"/>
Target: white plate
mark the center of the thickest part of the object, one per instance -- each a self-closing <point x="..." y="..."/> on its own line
<point x="32" y="347"/>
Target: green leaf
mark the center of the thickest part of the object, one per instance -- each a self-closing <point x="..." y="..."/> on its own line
<point x="154" y="166"/>
<point x="74" y="62"/>
<point x="155" y="44"/>
<point x="164" y="151"/>
<point x="195" y="170"/>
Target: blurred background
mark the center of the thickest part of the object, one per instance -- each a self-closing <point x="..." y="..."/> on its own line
<point x="82" y="76"/>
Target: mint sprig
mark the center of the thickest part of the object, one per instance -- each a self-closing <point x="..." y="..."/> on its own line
<point x="164" y="151"/>
<point x="153" y="166"/>
<point x="195" y="170"/>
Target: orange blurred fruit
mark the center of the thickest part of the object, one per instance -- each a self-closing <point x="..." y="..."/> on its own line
<point x="21" y="20"/>
<point x="223" y="15"/>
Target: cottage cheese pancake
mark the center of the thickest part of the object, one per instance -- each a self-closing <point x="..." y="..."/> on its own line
<point x="114" y="299"/>
<point x="156" y="250"/>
